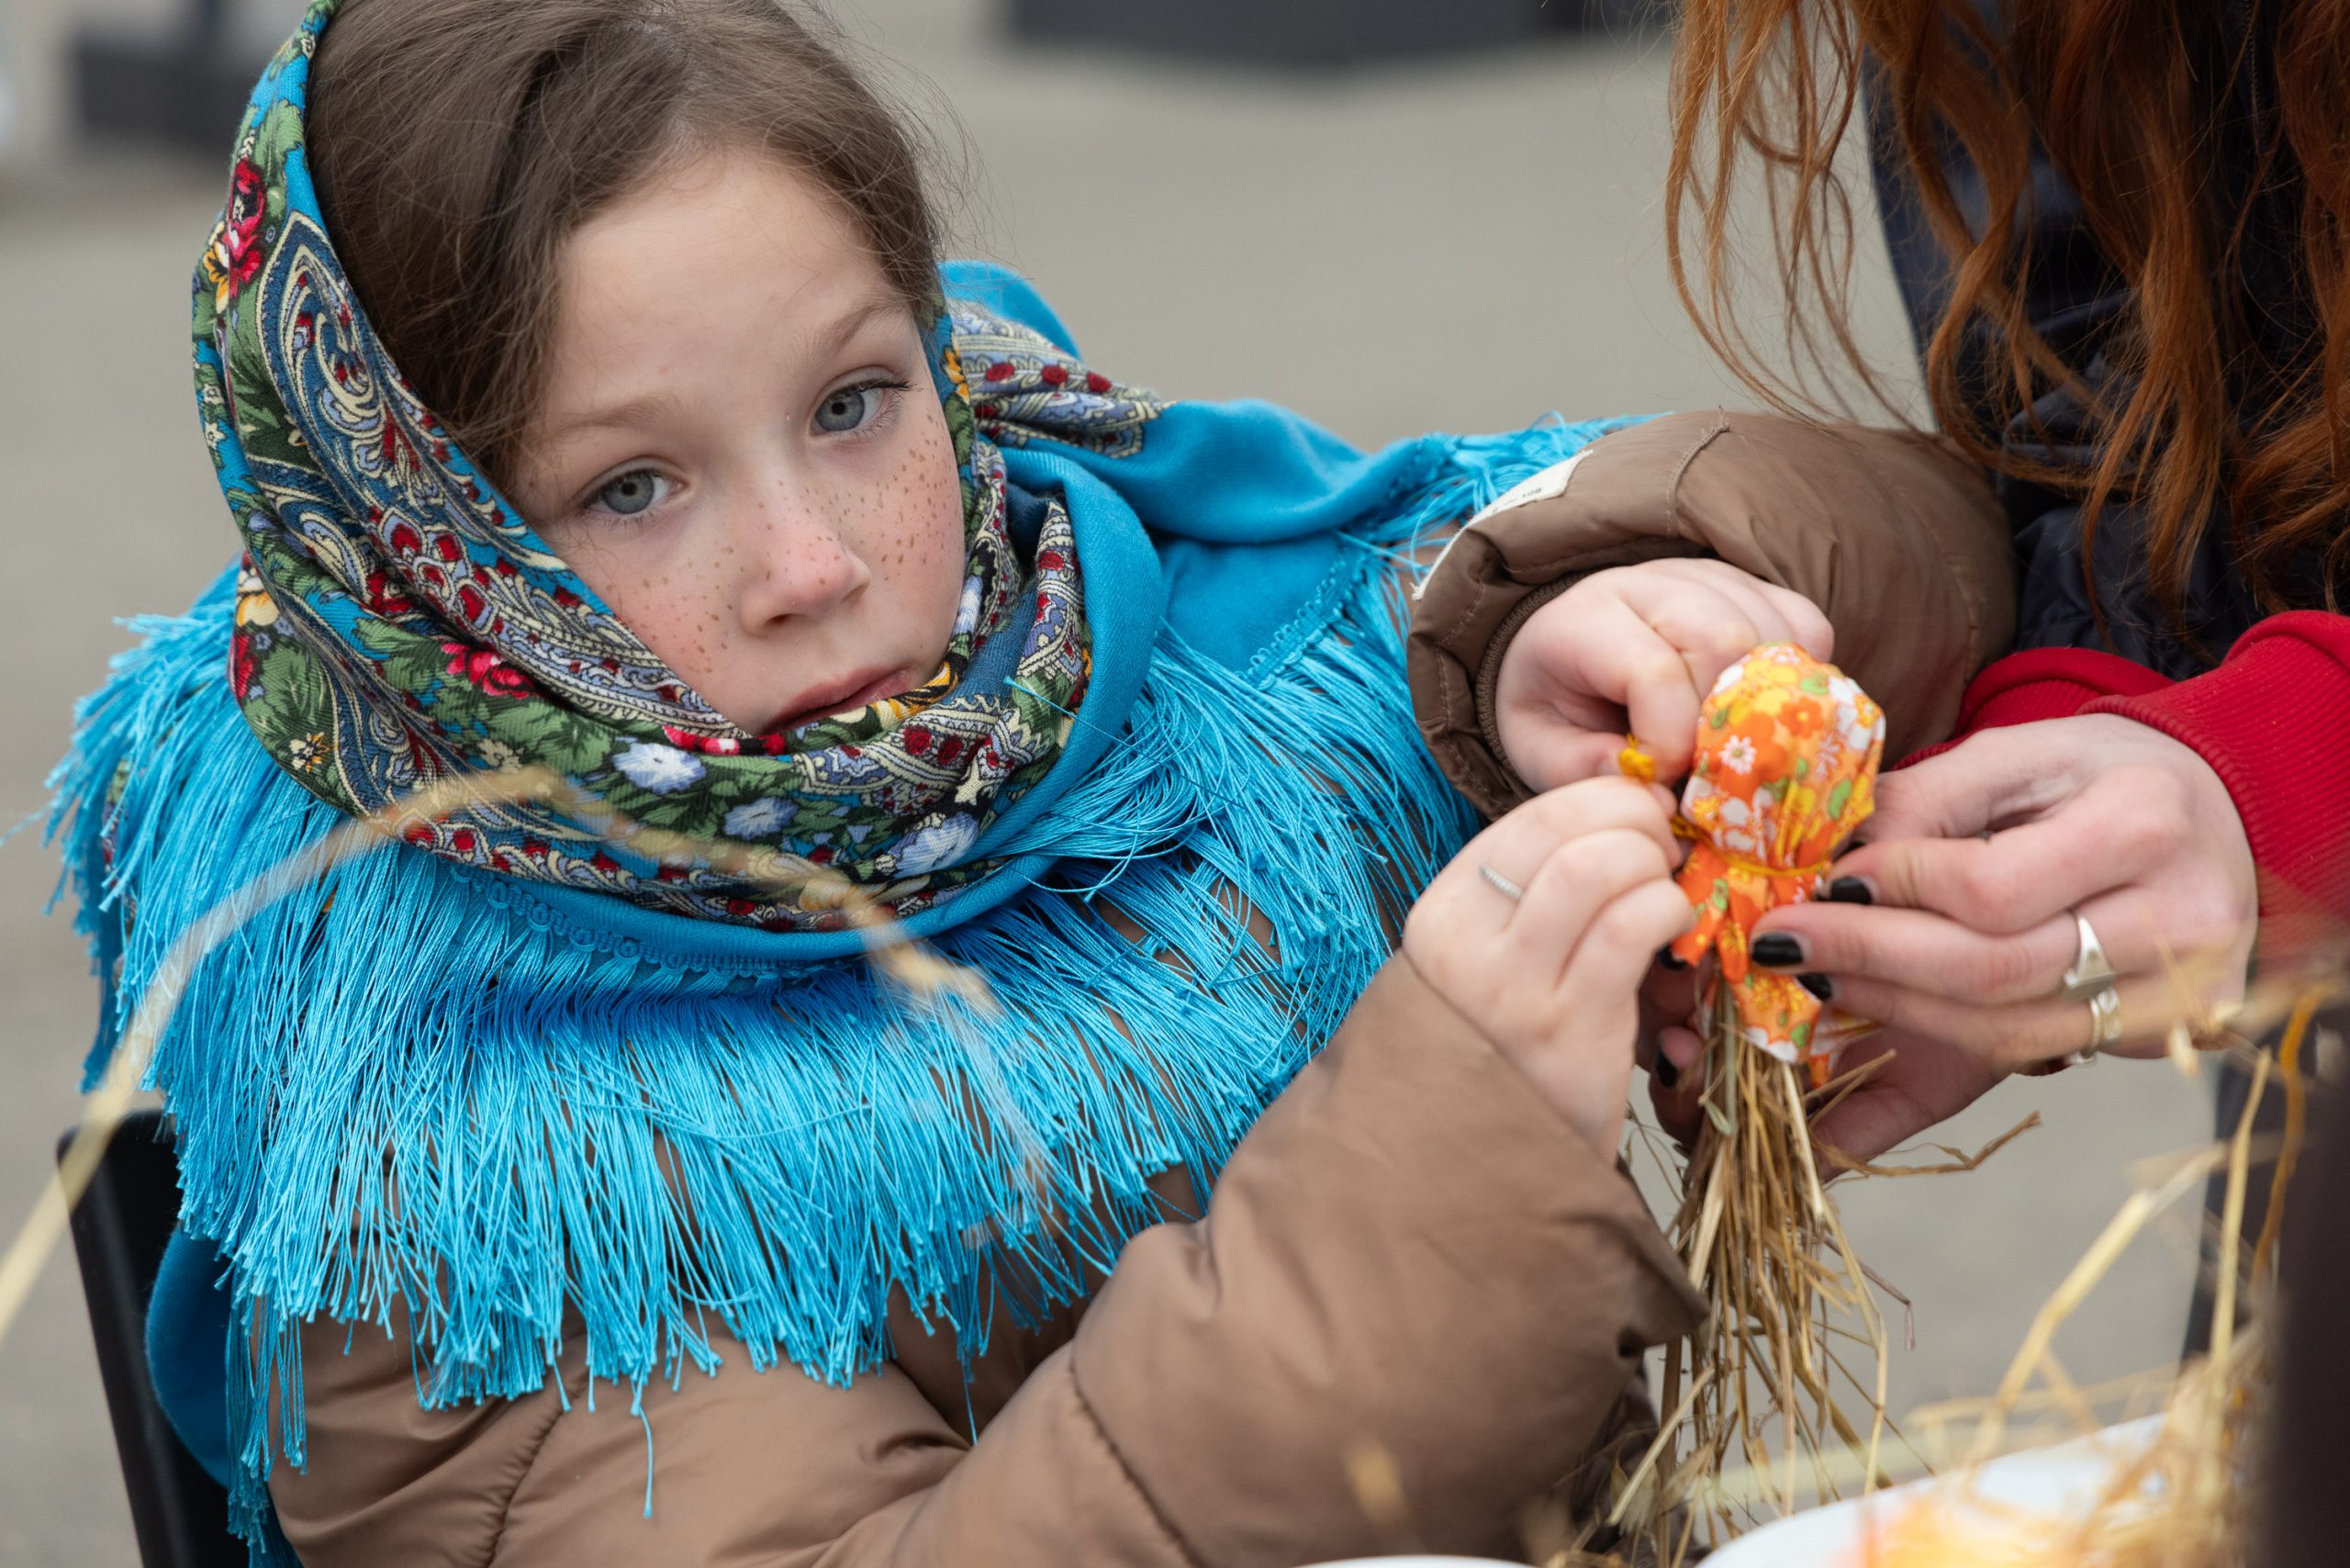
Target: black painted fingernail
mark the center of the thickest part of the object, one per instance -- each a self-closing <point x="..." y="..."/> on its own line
<point x="1849" y="890"/>
<point x="1777" y="950"/>
<point x="1664" y="1073"/>
<point x="1671" y="960"/>
<point x="1820" y="986"/>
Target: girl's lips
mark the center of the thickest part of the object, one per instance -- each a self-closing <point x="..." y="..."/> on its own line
<point x="851" y="693"/>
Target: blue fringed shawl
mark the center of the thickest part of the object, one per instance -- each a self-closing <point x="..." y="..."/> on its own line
<point x="499" y="1105"/>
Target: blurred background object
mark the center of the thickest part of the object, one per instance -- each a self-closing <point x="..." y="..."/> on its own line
<point x="170" y="74"/>
<point x="9" y="131"/>
<point x="176" y="84"/>
<point x="1462" y="241"/>
<point x="1314" y="32"/>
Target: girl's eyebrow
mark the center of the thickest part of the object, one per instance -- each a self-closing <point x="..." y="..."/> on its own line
<point x="651" y="407"/>
<point x="834" y="338"/>
<point x="644" y="409"/>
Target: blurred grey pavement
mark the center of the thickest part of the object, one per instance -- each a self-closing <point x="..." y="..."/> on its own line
<point x="1461" y="245"/>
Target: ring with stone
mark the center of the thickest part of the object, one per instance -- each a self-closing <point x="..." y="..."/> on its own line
<point x="1499" y="883"/>
<point x="2091" y="972"/>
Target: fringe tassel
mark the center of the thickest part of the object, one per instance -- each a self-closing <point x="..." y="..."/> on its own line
<point x="420" y="1087"/>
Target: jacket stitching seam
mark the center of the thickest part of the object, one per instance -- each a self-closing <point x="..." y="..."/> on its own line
<point x="506" y="1506"/>
<point x="1476" y="601"/>
<point x="1157" y="1515"/>
<point x="1681" y="471"/>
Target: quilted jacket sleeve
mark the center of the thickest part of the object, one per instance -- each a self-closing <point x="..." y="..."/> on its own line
<point x="1898" y="541"/>
<point x="1408" y="1253"/>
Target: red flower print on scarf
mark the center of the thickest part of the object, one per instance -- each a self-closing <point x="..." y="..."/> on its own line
<point x="241" y="666"/>
<point x="236" y="252"/>
<point x="383" y="596"/>
<point x="486" y="670"/>
<point x="709" y="745"/>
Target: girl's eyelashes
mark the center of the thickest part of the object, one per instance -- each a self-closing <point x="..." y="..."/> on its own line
<point x="860" y="408"/>
<point x="631" y="494"/>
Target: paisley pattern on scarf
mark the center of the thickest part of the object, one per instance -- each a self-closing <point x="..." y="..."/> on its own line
<point x="398" y="624"/>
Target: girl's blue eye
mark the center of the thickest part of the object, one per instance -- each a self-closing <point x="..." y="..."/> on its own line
<point x="633" y="493"/>
<point x="852" y="407"/>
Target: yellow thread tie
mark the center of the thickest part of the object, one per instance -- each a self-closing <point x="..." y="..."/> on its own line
<point x="1756" y="868"/>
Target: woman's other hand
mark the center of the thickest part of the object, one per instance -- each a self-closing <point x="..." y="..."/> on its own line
<point x="1637" y="647"/>
<point x="1978" y="861"/>
<point x="1552" y="975"/>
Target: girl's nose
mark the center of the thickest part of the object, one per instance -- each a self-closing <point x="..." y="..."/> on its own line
<point x="799" y="564"/>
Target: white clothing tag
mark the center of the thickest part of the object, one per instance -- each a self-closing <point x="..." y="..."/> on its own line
<point x="1542" y="487"/>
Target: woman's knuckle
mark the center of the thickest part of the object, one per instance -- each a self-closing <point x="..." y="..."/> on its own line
<point x="1988" y="889"/>
<point x="2052" y="1033"/>
<point x="2155" y="816"/>
<point x="2008" y="970"/>
<point x="2151" y="836"/>
<point x="1899" y="875"/>
<point x="2193" y="927"/>
<point x="1907" y="1010"/>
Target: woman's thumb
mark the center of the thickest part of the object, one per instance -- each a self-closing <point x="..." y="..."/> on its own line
<point x="1957" y="794"/>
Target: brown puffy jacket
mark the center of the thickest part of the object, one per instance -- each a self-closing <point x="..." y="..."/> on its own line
<point x="1409" y="1255"/>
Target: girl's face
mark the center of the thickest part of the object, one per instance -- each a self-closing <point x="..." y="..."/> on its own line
<point x="740" y="448"/>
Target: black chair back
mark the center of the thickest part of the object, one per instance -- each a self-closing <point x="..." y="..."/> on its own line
<point x="121" y="1228"/>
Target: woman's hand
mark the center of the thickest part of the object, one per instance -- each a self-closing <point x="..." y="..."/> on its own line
<point x="1976" y="861"/>
<point x="1552" y="977"/>
<point x="1639" y="645"/>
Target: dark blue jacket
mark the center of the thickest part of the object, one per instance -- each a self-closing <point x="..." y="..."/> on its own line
<point x="2078" y="300"/>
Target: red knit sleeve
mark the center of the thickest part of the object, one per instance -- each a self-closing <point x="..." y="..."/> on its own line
<point x="2267" y="721"/>
<point x="2274" y="722"/>
<point x="2042" y="683"/>
<point x="2050" y="683"/>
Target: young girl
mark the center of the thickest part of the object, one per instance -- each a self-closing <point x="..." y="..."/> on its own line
<point x="562" y="1182"/>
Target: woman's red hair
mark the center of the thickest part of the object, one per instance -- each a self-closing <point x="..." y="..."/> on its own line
<point x="2201" y="420"/>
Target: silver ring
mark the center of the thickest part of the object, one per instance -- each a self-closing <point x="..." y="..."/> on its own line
<point x="1499" y="883"/>
<point x="2105" y="1027"/>
<point x="2090" y="973"/>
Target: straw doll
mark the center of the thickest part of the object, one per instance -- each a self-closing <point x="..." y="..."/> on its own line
<point x="875" y="821"/>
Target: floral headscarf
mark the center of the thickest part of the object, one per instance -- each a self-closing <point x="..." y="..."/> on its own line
<point x="398" y="623"/>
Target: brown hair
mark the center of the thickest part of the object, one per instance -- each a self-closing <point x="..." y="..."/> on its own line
<point x="2200" y="414"/>
<point x="456" y="144"/>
